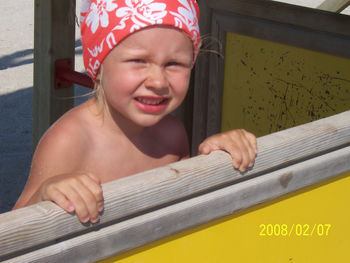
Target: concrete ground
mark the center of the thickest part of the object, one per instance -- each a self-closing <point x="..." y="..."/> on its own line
<point x="16" y="82"/>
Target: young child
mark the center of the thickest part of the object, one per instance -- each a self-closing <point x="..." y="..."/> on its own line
<point x="140" y="54"/>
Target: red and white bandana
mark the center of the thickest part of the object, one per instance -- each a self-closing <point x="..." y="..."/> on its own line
<point x="104" y="23"/>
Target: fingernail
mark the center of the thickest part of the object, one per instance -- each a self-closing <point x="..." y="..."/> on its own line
<point x="235" y="165"/>
<point x="95" y="220"/>
<point x="100" y="208"/>
<point x="85" y="219"/>
<point x="70" y="209"/>
<point x="251" y="165"/>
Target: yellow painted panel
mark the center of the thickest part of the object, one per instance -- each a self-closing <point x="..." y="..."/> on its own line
<point x="322" y="209"/>
<point x="270" y="86"/>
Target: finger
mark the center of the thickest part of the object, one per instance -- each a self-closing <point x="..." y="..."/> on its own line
<point x="215" y="144"/>
<point x="235" y="150"/>
<point x="94" y="187"/>
<point x="247" y="157"/>
<point x="246" y="148"/>
<point x="76" y="194"/>
<point x="94" y="178"/>
<point x="236" y="158"/>
<point x="235" y="147"/>
<point x="71" y="189"/>
<point x="89" y="209"/>
<point x="253" y="147"/>
<point x="240" y="157"/>
<point x="203" y="149"/>
<point x="60" y="199"/>
<point x="248" y="154"/>
<point x="250" y="151"/>
<point x="207" y="147"/>
<point x="253" y="141"/>
<point x="73" y="195"/>
<point x="96" y="191"/>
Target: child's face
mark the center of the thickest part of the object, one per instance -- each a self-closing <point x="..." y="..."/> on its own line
<point x="147" y="75"/>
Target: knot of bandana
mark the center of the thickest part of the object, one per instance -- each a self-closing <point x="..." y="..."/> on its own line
<point x="104" y="23"/>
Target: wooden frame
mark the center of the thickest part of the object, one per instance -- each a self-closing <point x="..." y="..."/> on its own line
<point x="334" y="5"/>
<point x="268" y="20"/>
<point x="149" y="204"/>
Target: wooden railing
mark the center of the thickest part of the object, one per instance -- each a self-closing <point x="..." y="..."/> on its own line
<point x="151" y="205"/>
<point x="334" y="5"/>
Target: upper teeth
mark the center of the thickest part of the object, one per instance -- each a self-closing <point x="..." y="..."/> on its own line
<point x="150" y="101"/>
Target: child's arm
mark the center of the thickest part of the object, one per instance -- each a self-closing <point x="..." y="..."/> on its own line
<point x="242" y="146"/>
<point x="52" y="175"/>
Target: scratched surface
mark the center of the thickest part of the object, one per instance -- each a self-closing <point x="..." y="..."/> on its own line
<point x="270" y="86"/>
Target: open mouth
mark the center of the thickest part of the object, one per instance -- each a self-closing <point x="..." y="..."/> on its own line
<point x="151" y="104"/>
<point x="151" y="101"/>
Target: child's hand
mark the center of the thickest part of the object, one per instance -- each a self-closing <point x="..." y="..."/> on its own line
<point x="242" y="146"/>
<point x="80" y="193"/>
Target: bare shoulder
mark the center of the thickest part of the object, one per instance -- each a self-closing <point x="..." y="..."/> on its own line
<point x="64" y="143"/>
<point x="171" y="132"/>
<point x="60" y="150"/>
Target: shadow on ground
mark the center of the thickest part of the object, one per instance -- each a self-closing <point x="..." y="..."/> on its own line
<point x="15" y="144"/>
<point x="16" y="130"/>
<point x="24" y="57"/>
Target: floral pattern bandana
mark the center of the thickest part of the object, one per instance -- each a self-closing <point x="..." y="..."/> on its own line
<point x="104" y="23"/>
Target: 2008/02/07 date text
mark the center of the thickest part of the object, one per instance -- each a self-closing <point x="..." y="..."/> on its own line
<point x="300" y="230"/>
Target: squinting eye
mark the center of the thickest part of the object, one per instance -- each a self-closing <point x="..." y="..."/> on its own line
<point x="137" y="60"/>
<point x="173" y="63"/>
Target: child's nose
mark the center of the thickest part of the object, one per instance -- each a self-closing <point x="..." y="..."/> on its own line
<point x="157" y="78"/>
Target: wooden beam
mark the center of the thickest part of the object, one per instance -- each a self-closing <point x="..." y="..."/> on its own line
<point x="42" y="223"/>
<point x="54" y="36"/>
<point x="163" y="222"/>
<point x="334" y="5"/>
<point x="201" y="80"/>
<point x="278" y="12"/>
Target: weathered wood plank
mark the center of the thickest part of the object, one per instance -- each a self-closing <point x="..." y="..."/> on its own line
<point x="216" y="81"/>
<point x="44" y="222"/>
<point x="334" y="5"/>
<point x="286" y="14"/>
<point x="54" y="36"/>
<point x="286" y="34"/>
<point x="163" y="222"/>
<point x="201" y="80"/>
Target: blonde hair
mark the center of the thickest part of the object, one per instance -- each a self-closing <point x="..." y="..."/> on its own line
<point x="211" y="45"/>
<point x="98" y="90"/>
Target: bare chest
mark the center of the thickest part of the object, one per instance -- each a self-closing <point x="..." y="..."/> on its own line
<point x="116" y="160"/>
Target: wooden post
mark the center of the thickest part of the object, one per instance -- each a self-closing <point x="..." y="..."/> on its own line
<point x="54" y="36"/>
<point x="201" y="78"/>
